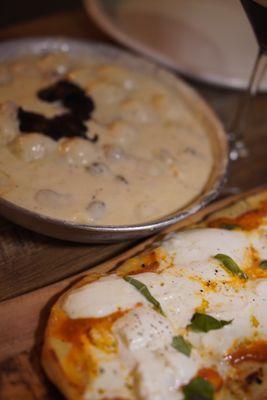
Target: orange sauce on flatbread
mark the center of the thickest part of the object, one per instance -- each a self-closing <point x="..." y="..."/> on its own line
<point x="211" y="375"/>
<point x="249" y="220"/>
<point x="148" y="262"/>
<point x="255" y="351"/>
<point x="96" y="330"/>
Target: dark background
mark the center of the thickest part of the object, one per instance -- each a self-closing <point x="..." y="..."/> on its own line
<point x="13" y="11"/>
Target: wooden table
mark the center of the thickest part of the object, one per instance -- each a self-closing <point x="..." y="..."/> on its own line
<point x="29" y="261"/>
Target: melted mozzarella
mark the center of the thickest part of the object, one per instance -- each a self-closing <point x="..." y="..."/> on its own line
<point x="143" y="328"/>
<point x="204" y="271"/>
<point x="196" y="245"/>
<point x="184" y="367"/>
<point x="243" y="307"/>
<point x="216" y="343"/>
<point x="160" y="374"/>
<point x="110" y="294"/>
<point x="110" y="383"/>
<point x="172" y="293"/>
<point x="156" y="379"/>
<point x="226" y="297"/>
<point x="260" y="305"/>
<point x="101" y="298"/>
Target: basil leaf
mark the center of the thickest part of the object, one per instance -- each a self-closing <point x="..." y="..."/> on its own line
<point x="198" y="389"/>
<point x="182" y="345"/>
<point x="205" y="323"/>
<point x="143" y="289"/>
<point x="229" y="227"/>
<point x="263" y="264"/>
<point x="231" y="265"/>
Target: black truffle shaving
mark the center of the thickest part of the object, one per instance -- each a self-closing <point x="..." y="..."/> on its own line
<point x="64" y="125"/>
<point x="71" y="96"/>
<point x="69" y="124"/>
<point x="31" y="121"/>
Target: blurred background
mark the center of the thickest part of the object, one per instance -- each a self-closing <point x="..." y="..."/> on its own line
<point x="13" y="11"/>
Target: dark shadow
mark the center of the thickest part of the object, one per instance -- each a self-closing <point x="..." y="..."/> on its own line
<point x="14" y="11"/>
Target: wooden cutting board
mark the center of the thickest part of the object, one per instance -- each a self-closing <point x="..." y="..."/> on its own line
<point x="23" y="320"/>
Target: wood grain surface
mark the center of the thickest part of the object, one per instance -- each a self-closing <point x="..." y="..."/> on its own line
<point x="29" y="261"/>
<point x="22" y="379"/>
<point x="23" y="320"/>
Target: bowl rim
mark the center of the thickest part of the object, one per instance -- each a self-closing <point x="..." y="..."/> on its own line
<point x="37" y="45"/>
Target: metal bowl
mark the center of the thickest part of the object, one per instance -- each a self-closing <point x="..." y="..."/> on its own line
<point x="100" y="234"/>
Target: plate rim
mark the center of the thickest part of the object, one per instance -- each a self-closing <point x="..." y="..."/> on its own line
<point x="96" y="11"/>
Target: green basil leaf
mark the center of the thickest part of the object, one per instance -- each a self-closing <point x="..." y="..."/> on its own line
<point x="205" y="323"/>
<point x="182" y="345"/>
<point x="229" y="226"/>
<point x="263" y="264"/>
<point x="143" y="289"/>
<point x="198" y="389"/>
<point x="231" y="265"/>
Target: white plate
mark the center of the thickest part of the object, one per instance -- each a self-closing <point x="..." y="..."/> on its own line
<point x="210" y="40"/>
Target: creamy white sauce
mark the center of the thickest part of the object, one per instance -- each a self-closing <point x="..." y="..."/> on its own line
<point x="144" y="336"/>
<point x="152" y="156"/>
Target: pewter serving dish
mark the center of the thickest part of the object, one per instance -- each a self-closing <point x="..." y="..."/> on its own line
<point x="97" y="234"/>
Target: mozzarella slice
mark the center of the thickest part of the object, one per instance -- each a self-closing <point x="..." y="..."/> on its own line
<point x="243" y="307"/>
<point x="205" y="271"/>
<point x="216" y="343"/>
<point x="226" y="298"/>
<point x="110" y="383"/>
<point x="172" y="293"/>
<point x="101" y="298"/>
<point x="196" y="245"/>
<point x="161" y="374"/>
<point x="143" y="328"/>
<point x="184" y="367"/>
<point x="110" y="294"/>
<point x="259" y="301"/>
<point x="155" y="378"/>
